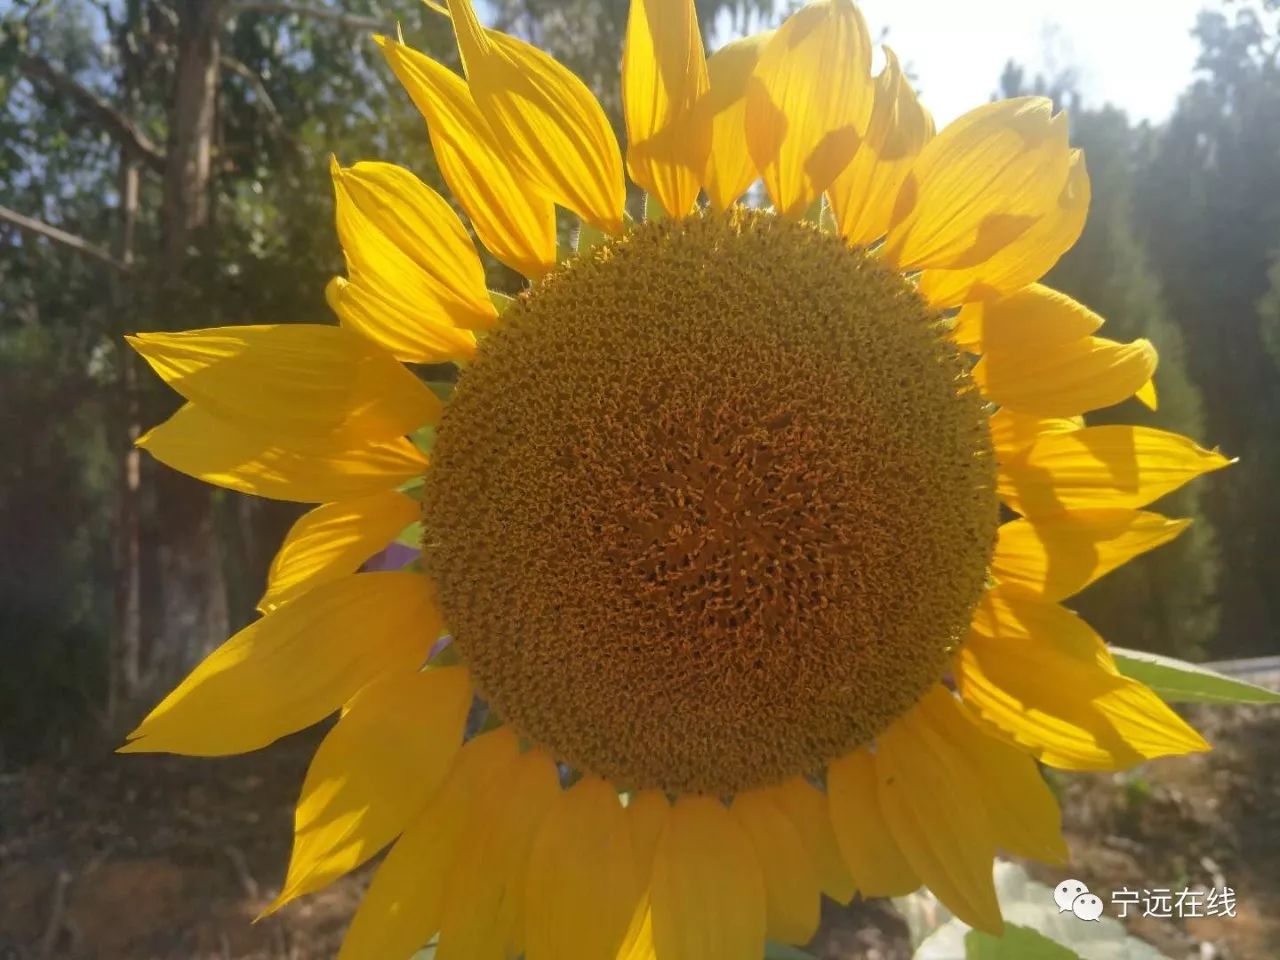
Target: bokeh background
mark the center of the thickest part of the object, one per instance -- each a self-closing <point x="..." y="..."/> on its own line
<point x="163" y="166"/>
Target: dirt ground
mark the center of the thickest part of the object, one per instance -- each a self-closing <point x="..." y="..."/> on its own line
<point x="164" y="858"/>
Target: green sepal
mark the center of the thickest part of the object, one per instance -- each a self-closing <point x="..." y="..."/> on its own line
<point x="653" y="210"/>
<point x="447" y="657"/>
<point x="827" y="218"/>
<point x="411" y="488"/>
<point x="424" y="438"/>
<point x="783" y="951"/>
<point x="411" y="536"/>
<point x="491" y="719"/>
<point x="588" y="238"/>
<point x="501" y="301"/>
<point x="820" y="215"/>
<point x="1180" y="682"/>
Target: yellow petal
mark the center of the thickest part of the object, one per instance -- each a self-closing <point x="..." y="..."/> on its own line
<point x="730" y="169"/>
<point x="792" y="889"/>
<point x="1066" y="379"/>
<point x="638" y="944"/>
<point x="876" y="861"/>
<point x="1040" y="674"/>
<point x="548" y="125"/>
<point x="401" y="910"/>
<point x="394" y="327"/>
<point x="199" y="444"/>
<point x="318" y="386"/>
<point x="1056" y="556"/>
<point x="1021" y="809"/>
<point x="483" y="910"/>
<point x="515" y="224"/>
<point x="862" y="196"/>
<point x="1028" y="320"/>
<point x="295" y="666"/>
<point x="979" y="185"/>
<point x="664" y="99"/>
<point x="646" y="815"/>
<point x="581" y="887"/>
<point x="1012" y="431"/>
<point x="538" y="787"/>
<point x="708" y="890"/>
<point x="332" y="541"/>
<point x="933" y="803"/>
<point x="806" y="805"/>
<point x="646" y="818"/>
<point x="404" y="242"/>
<point x="1026" y="257"/>
<point x="374" y="772"/>
<point x="1100" y="467"/>
<point x="809" y="102"/>
<point x="1147" y="395"/>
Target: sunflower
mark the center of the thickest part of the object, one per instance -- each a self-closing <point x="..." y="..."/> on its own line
<point x="746" y="525"/>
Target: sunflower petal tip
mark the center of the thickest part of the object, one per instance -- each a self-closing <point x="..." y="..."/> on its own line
<point x="135" y="743"/>
<point x="274" y="906"/>
<point x="1197" y="741"/>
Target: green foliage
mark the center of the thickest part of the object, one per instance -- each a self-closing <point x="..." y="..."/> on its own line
<point x="291" y="91"/>
<point x="1018" y="943"/>
<point x="56" y="560"/>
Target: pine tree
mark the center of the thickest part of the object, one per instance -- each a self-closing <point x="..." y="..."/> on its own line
<point x="1208" y="204"/>
<point x="1165" y="602"/>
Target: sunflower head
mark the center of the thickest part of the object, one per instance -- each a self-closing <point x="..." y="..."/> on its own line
<point x="710" y="517"/>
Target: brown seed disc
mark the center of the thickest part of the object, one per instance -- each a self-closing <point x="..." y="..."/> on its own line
<point x="712" y="506"/>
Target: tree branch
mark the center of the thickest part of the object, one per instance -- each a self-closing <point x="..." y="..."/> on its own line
<point x="260" y="93"/>
<point x="352" y="20"/>
<point x="108" y="117"/>
<point x="39" y="228"/>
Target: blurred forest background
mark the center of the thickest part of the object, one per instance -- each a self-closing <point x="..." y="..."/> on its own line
<point x="163" y="166"/>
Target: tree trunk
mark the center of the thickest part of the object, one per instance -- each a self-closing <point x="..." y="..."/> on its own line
<point x="125" y="674"/>
<point x="191" y="127"/>
<point x="193" y="614"/>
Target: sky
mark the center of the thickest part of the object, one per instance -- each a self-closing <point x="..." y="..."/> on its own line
<point x="1135" y="54"/>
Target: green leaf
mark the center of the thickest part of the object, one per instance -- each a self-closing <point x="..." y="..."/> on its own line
<point x="781" y="951"/>
<point x="1018" y="943"/>
<point x="1181" y="682"/>
<point x="653" y="209"/>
